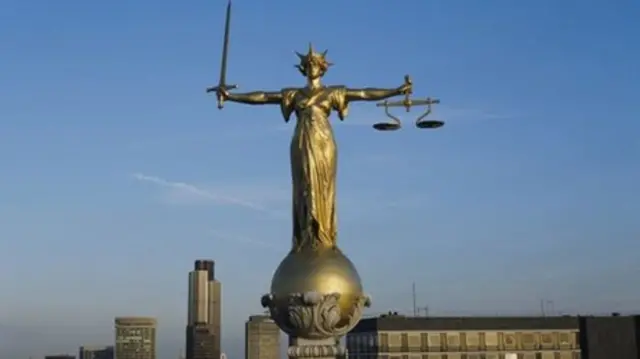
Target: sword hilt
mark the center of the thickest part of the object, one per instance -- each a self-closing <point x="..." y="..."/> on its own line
<point x="217" y="90"/>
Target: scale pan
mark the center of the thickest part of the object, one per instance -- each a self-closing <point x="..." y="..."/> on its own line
<point x="429" y="124"/>
<point x="386" y="126"/>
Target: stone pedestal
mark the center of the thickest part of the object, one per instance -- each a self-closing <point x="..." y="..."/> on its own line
<point x="315" y="322"/>
<point x="329" y="348"/>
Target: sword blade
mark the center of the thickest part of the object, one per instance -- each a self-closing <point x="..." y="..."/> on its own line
<point x="225" y="48"/>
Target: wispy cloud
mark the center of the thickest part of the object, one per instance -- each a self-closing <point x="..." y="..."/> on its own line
<point x="189" y="193"/>
<point x="266" y="199"/>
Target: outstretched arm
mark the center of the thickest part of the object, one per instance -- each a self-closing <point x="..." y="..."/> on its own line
<point x="372" y="94"/>
<point x="377" y="94"/>
<point x="256" y="98"/>
<point x="252" y="98"/>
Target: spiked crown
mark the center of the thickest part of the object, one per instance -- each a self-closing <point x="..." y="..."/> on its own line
<point x="312" y="58"/>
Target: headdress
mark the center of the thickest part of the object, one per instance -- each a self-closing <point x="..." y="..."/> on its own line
<point x="312" y="57"/>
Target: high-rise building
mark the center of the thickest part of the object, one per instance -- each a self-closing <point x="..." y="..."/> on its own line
<point x="135" y="338"/>
<point x="95" y="352"/>
<point x="261" y="338"/>
<point x="59" y="356"/>
<point x="204" y="312"/>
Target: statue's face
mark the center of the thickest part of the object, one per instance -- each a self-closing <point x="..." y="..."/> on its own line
<point x="314" y="71"/>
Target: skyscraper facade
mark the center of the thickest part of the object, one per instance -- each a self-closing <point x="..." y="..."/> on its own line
<point x="135" y="338"/>
<point x="95" y="352"/>
<point x="261" y="338"/>
<point x="204" y="312"/>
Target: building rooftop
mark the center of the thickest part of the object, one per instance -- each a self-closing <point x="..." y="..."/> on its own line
<point x="398" y="322"/>
<point x="135" y="321"/>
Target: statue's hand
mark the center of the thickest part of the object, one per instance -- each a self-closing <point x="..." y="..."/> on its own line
<point x="220" y="92"/>
<point x="223" y="94"/>
<point x="407" y="87"/>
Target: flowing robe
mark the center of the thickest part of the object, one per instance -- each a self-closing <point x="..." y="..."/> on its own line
<point x="313" y="164"/>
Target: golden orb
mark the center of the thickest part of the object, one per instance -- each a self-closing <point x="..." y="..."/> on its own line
<point x="323" y="270"/>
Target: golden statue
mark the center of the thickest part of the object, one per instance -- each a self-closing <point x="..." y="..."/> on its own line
<point x="316" y="293"/>
<point x="313" y="146"/>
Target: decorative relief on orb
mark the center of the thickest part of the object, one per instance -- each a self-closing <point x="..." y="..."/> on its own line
<point x="315" y="351"/>
<point x="313" y="315"/>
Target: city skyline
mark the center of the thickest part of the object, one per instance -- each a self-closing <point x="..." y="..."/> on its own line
<point x="119" y="170"/>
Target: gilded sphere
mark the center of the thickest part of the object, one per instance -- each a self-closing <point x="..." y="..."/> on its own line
<point x="324" y="271"/>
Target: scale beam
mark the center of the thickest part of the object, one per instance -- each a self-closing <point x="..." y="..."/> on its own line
<point x="408" y="103"/>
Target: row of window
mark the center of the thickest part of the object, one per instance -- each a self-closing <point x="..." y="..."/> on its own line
<point x="513" y="355"/>
<point x="417" y="342"/>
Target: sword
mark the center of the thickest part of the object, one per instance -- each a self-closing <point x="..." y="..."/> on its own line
<point x="222" y="84"/>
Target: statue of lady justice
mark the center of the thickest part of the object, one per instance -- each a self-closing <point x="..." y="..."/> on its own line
<point x="313" y="146"/>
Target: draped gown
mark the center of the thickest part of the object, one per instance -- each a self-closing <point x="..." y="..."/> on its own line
<point x="313" y="164"/>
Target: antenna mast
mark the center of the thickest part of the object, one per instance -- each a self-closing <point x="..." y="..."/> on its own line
<point x="413" y="292"/>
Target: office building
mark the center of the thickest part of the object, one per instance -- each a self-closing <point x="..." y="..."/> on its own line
<point x="567" y="337"/>
<point x="261" y="338"/>
<point x="400" y="337"/>
<point x="204" y="312"/>
<point x="95" y="352"/>
<point x="59" y="356"/>
<point x="135" y="338"/>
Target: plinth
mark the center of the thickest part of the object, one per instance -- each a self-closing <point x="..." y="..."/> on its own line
<point x="316" y="298"/>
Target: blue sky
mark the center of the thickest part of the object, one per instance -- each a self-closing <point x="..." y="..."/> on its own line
<point x="118" y="170"/>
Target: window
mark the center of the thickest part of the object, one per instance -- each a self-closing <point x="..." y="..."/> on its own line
<point x="453" y="340"/>
<point x="509" y="340"/>
<point x="414" y="342"/>
<point x="528" y="340"/>
<point x="564" y="339"/>
<point x="473" y="340"/>
<point x="384" y="342"/>
<point x="434" y="341"/>
<point x="395" y="340"/>
<point x="547" y="340"/>
<point x="491" y="340"/>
